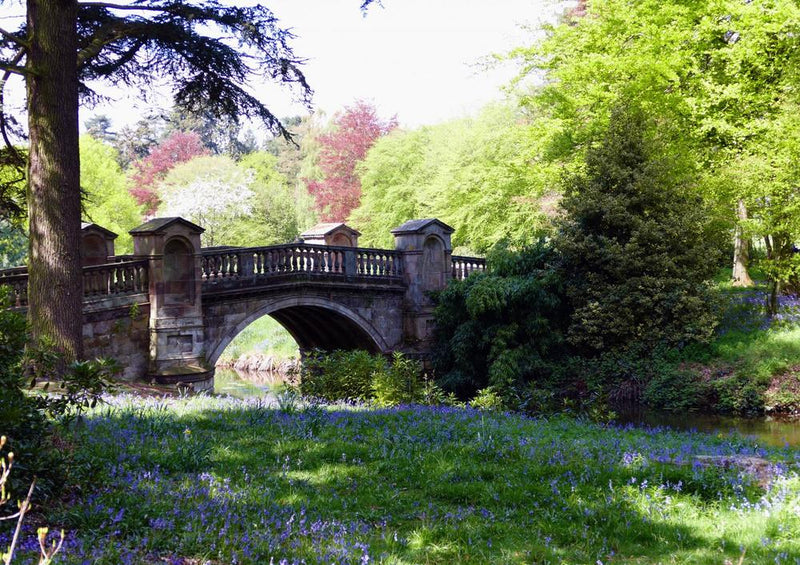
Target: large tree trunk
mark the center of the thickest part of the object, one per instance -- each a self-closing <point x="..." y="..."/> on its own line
<point x="741" y="250"/>
<point x="55" y="284"/>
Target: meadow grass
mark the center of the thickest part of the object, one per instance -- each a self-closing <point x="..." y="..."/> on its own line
<point x="223" y="480"/>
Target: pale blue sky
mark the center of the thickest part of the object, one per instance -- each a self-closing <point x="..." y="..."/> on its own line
<point x="418" y="59"/>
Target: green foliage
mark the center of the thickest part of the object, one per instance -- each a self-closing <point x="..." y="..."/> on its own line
<point x="340" y="375"/>
<point x="399" y="383"/>
<point x="361" y="376"/>
<point x="21" y="419"/>
<point x="13" y="245"/>
<point x="501" y="328"/>
<point x="635" y="245"/>
<point x="739" y="394"/>
<point x="487" y="399"/>
<point x="721" y="74"/>
<point x="482" y="176"/>
<point x="107" y="201"/>
<point x="265" y="336"/>
<point x="247" y="203"/>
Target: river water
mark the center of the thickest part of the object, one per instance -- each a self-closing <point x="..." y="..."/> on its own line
<point x="770" y="431"/>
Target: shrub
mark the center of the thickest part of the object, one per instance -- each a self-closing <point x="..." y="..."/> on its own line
<point x="340" y="375"/>
<point x="502" y="328"/>
<point x="399" y="383"/>
<point x="20" y="418"/>
<point x="488" y="399"/>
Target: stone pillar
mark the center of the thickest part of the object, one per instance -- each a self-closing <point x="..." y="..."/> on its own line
<point x="427" y="266"/>
<point x="97" y="244"/>
<point x="177" y="346"/>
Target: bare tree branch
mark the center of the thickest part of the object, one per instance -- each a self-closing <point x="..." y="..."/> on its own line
<point x="3" y="129"/>
<point x="110" y="6"/>
<point x="15" y="69"/>
<point x="13" y="38"/>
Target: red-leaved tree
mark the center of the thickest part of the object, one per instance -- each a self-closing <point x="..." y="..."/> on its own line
<point x="353" y="132"/>
<point x="178" y="147"/>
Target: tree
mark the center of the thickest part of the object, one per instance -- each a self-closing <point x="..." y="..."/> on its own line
<point x="247" y="203"/>
<point x="282" y="209"/>
<point x="99" y="127"/>
<point x="352" y="133"/>
<point x="634" y="242"/>
<point x="178" y="147"/>
<point x="63" y="45"/>
<point x="722" y="69"/>
<point x="108" y="202"/>
<point x="485" y="176"/>
<point x="211" y="192"/>
<point x="134" y="142"/>
<point x="220" y="136"/>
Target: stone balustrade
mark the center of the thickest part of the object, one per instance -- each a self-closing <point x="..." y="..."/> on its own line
<point x="114" y="279"/>
<point x="277" y="260"/>
<point x="122" y="277"/>
<point x="465" y="266"/>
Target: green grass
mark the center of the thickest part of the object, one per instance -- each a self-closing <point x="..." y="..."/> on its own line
<point x="221" y="480"/>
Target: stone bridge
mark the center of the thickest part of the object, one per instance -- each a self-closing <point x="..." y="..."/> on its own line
<point x="168" y="311"/>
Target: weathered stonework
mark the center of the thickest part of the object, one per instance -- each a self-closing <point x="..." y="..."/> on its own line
<point x="167" y="313"/>
<point x="427" y="266"/>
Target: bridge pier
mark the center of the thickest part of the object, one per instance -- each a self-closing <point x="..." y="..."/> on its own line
<point x="426" y="251"/>
<point x="177" y="331"/>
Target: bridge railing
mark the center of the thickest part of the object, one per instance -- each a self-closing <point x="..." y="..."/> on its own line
<point x="465" y="266"/>
<point x="275" y="260"/>
<point x="17" y="280"/>
<point x="111" y="279"/>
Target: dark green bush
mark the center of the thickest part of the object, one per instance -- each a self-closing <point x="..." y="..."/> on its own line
<point x="21" y="420"/>
<point x="502" y="328"/>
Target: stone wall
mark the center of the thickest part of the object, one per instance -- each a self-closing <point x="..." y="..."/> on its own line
<point x="326" y="315"/>
<point x="119" y="328"/>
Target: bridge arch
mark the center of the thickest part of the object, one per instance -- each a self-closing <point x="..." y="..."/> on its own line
<point x="313" y="323"/>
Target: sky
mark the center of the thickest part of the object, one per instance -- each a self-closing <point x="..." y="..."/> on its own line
<point x="420" y="60"/>
<point x="417" y="59"/>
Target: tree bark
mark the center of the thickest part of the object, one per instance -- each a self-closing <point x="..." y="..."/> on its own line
<point x="741" y="250"/>
<point x="55" y="286"/>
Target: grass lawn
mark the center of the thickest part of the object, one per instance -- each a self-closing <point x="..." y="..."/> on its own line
<point x="223" y="481"/>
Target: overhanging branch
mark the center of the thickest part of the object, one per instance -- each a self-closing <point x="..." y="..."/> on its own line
<point x="111" y="6"/>
<point x="13" y="38"/>
<point x="3" y="126"/>
<point x="11" y="68"/>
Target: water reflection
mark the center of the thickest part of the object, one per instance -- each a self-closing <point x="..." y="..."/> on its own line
<point x="246" y="385"/>
<point x="771" y="431"/>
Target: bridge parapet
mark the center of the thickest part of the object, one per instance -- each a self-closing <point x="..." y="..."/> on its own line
<point x="465" y="266"/>
<point x="299" y="259"/>
<point x="122" y="277"/>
